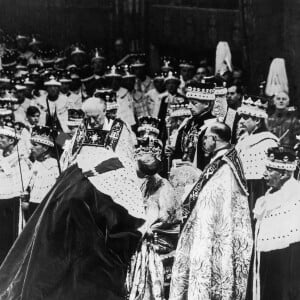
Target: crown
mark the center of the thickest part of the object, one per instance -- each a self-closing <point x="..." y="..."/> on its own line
<point x="282" y="158"/>
<point x="166" y="67"/>
<point x="8" y="96"/>
<point x="7" y="128"/>
<point x="113" y="71"/>
<point x="172" y="76"/>
<point x="97" y="55"/>
<point x="201" y="91"/>
<point x="6" y="76"/>
<point x="65" y="77"/>
<point x="127" y="73"/>
<point x="139" y="61"/>
<point x="9" y="59"/>
<point x="148" y="125"/>
<point x="43" y="135"/>
<point x="254" y="106"/>
<point x="109" y="96"/>
<point x="5" y="108"/>
<point x="183" y="63"/>
<point x="148" y="145"/>
<point x="75" y="117"/>
<point x="180" y="110"/>
<point x="77" y="49"/>
<point x="34" y="41"/>
<point x="52" y="81"/>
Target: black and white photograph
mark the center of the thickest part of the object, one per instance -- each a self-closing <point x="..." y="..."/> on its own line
<point x="149" y="150"/>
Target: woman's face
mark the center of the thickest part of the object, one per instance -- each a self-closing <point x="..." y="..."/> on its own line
<point x="147" y="165"/>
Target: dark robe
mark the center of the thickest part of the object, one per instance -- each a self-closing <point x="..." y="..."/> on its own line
<point x="280" y="274"/>
<point x="9" y="216"/>
<point x="76" y="246"/>
<point x="182" y="147"/>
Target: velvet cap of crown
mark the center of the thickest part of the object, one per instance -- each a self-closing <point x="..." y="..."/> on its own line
<point x="5" y="108"/>
<point x="172" y="76"/>
<point x="139" y="61"/>
<point x="183" y="63"/>
<point x="18" y="82"/>
<point x="52" y="81"/>
<point x="7" y="128"/>
<point x="48" y="56"/>
<point x="127" y="74"/>
<point x="34" y="41"/>
<point x="77" y="49"/>
<point x="65" y="77"/>
<point x="6" y="76"/>
<point x="109" y="96"/>
<point x="8" y="96"/>
<point x="148" y="124"/>
<point x="97" y="54"/>
<point x="113" y="71"/>
<point x="43" y="135"/>
<point x="254" y="106"/>
<point x="148" y="145"/>
<point x="281" y="158"/>
<point x="75" y="117"/>
<point x="202" y="91"/>
<point x="166" y="65"/>
<point x="86" y="74"/>
<point x="28" y="81"/>
<point x="9" y="59"/>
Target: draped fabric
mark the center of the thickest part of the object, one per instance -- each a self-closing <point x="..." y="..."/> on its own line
<point x="150" y="270"/>
<point x="9" y="216"/>
<point x="77" y="245"/>
<point x="213" y="253"/>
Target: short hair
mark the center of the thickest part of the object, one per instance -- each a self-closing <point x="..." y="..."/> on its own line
<point x="32" y="110"/>
<point x="93" y="105"/>
<point x="222" y="130"/>
<point x="239" y="88"/>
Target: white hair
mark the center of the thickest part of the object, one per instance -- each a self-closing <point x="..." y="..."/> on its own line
<point x="93" y="105"/>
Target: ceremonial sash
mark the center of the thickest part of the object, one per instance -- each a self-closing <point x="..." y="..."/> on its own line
<point x="190" y="201"/>
<point x="231" y="158"/>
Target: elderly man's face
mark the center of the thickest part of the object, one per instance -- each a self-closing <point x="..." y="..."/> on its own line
<point x="273" y="177"/>
<point x="96" y="120"/>
<point x="197" y="107"/>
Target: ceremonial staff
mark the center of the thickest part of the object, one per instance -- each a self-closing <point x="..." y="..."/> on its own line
<point x="53" y="135"/>
<point x="23" y="199"/>
<point x="168" y="126"/>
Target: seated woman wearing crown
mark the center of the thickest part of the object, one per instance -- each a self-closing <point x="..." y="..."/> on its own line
<point x="78" y="243"/>
<point x="150" y="272"/>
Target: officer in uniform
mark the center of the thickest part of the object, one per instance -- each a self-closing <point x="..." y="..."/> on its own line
<point x="188" y="148"/>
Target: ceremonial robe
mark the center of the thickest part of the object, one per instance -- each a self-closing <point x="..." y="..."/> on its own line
<point x="213" y="253"/>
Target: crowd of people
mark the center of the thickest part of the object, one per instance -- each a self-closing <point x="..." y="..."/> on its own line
<point x="120" y="184"/>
